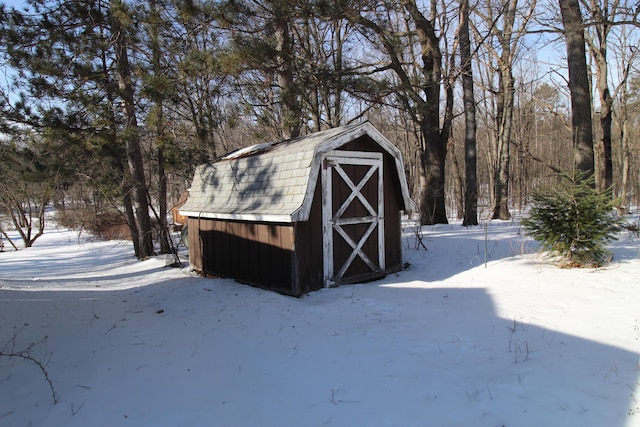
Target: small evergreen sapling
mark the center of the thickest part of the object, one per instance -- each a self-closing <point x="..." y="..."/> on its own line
<point x="573" y="220"/>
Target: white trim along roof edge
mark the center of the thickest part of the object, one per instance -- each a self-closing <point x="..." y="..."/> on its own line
<point x="366" y="128"/>
<point x="239" y="217"/>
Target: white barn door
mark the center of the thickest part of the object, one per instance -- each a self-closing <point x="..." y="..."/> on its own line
<point x="352" y="216"/>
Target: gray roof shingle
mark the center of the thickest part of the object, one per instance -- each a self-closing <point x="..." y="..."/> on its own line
<point x="274" y="182"/>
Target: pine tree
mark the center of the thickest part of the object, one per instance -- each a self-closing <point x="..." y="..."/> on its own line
<point x="573" y="220"/>
<point x="73" y="76"/>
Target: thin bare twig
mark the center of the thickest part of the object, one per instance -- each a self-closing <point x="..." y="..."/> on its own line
<point x="25" y="354"/>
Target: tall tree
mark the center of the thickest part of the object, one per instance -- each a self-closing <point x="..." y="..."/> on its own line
<point x="156" y="87"/>
<point x="505" y="23"/>
<point x="597" y="40"/>
<point x="323" y="36"/>
<point x="199" y="81"/>
<point x="418" y="84"/>
<point x="607" y="22"/>
<point x="264" y="49"/>
<point x="284" y="67"/>
<point x="470" y="124"/>
<point x="579" y="88"/>
<point x="72" y="68"/>
<point x="119" y="19"/>
<point x="628" y="97"/>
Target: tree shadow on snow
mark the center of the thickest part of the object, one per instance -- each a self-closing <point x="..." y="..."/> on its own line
<point x="371" y="354"/>
<point x="447" y="358"/>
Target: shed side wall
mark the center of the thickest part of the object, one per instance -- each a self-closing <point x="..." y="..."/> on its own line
<point x="309" y="247"/>
<point x="392" y="210"/>
<point x="260" y="254"/>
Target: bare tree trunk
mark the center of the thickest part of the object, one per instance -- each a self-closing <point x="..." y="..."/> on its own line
<point x="604" y="16"/>
<point x="163" y="226"/>
<point x="623" y="120"/>
<point x="606" y="121"/>
<point x="504" y="121"/>
<point x="470" y="124"/>
<point x="130" y="214"/>
<point x="598" y="47"/>
<point x="501" y="17"/>
<point x="322" y="47"/>
<point x="581" y="120"/>
<point x="131" y="135"/>
<point x="338" y="42"/>
<point x="505" y="106"/>
<point x="118" y="159"/>
<point x="626" y="161"/>
<point x="456" y="176"/>
<point x="418" y="89"/>
<point x="434" y="153"/>
<point x="432" y="201"/>
<point x="6" y="236"/>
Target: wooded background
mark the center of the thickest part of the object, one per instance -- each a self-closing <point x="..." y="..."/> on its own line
<point x="108" y="106"/>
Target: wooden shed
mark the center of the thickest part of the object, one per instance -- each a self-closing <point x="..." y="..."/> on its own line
<point x="299" y="215"/>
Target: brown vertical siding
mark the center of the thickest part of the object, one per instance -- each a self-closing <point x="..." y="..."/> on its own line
<point x="392" y="206"/>
<point x="256" y="253"/>
<point x="309" y="255"/>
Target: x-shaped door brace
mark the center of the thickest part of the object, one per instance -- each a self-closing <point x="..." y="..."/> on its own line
<point x="375" y="218"/>
<point x="355" y="191"/>
<point x="357" y="249"/>
<point x="338" y="221"/>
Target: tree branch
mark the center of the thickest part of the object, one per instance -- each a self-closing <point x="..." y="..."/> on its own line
<point x="25" y="354"/>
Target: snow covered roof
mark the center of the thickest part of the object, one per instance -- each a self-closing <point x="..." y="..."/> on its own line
<point x="274" y="182"/>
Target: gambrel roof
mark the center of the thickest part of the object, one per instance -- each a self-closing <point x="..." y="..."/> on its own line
<point x="274" y="182"/>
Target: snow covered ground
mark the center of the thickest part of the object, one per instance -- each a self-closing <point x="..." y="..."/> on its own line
<point x="448" y="342"/>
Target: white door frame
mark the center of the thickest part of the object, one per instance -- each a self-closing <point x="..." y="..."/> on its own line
<point x="333" y="222"/>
